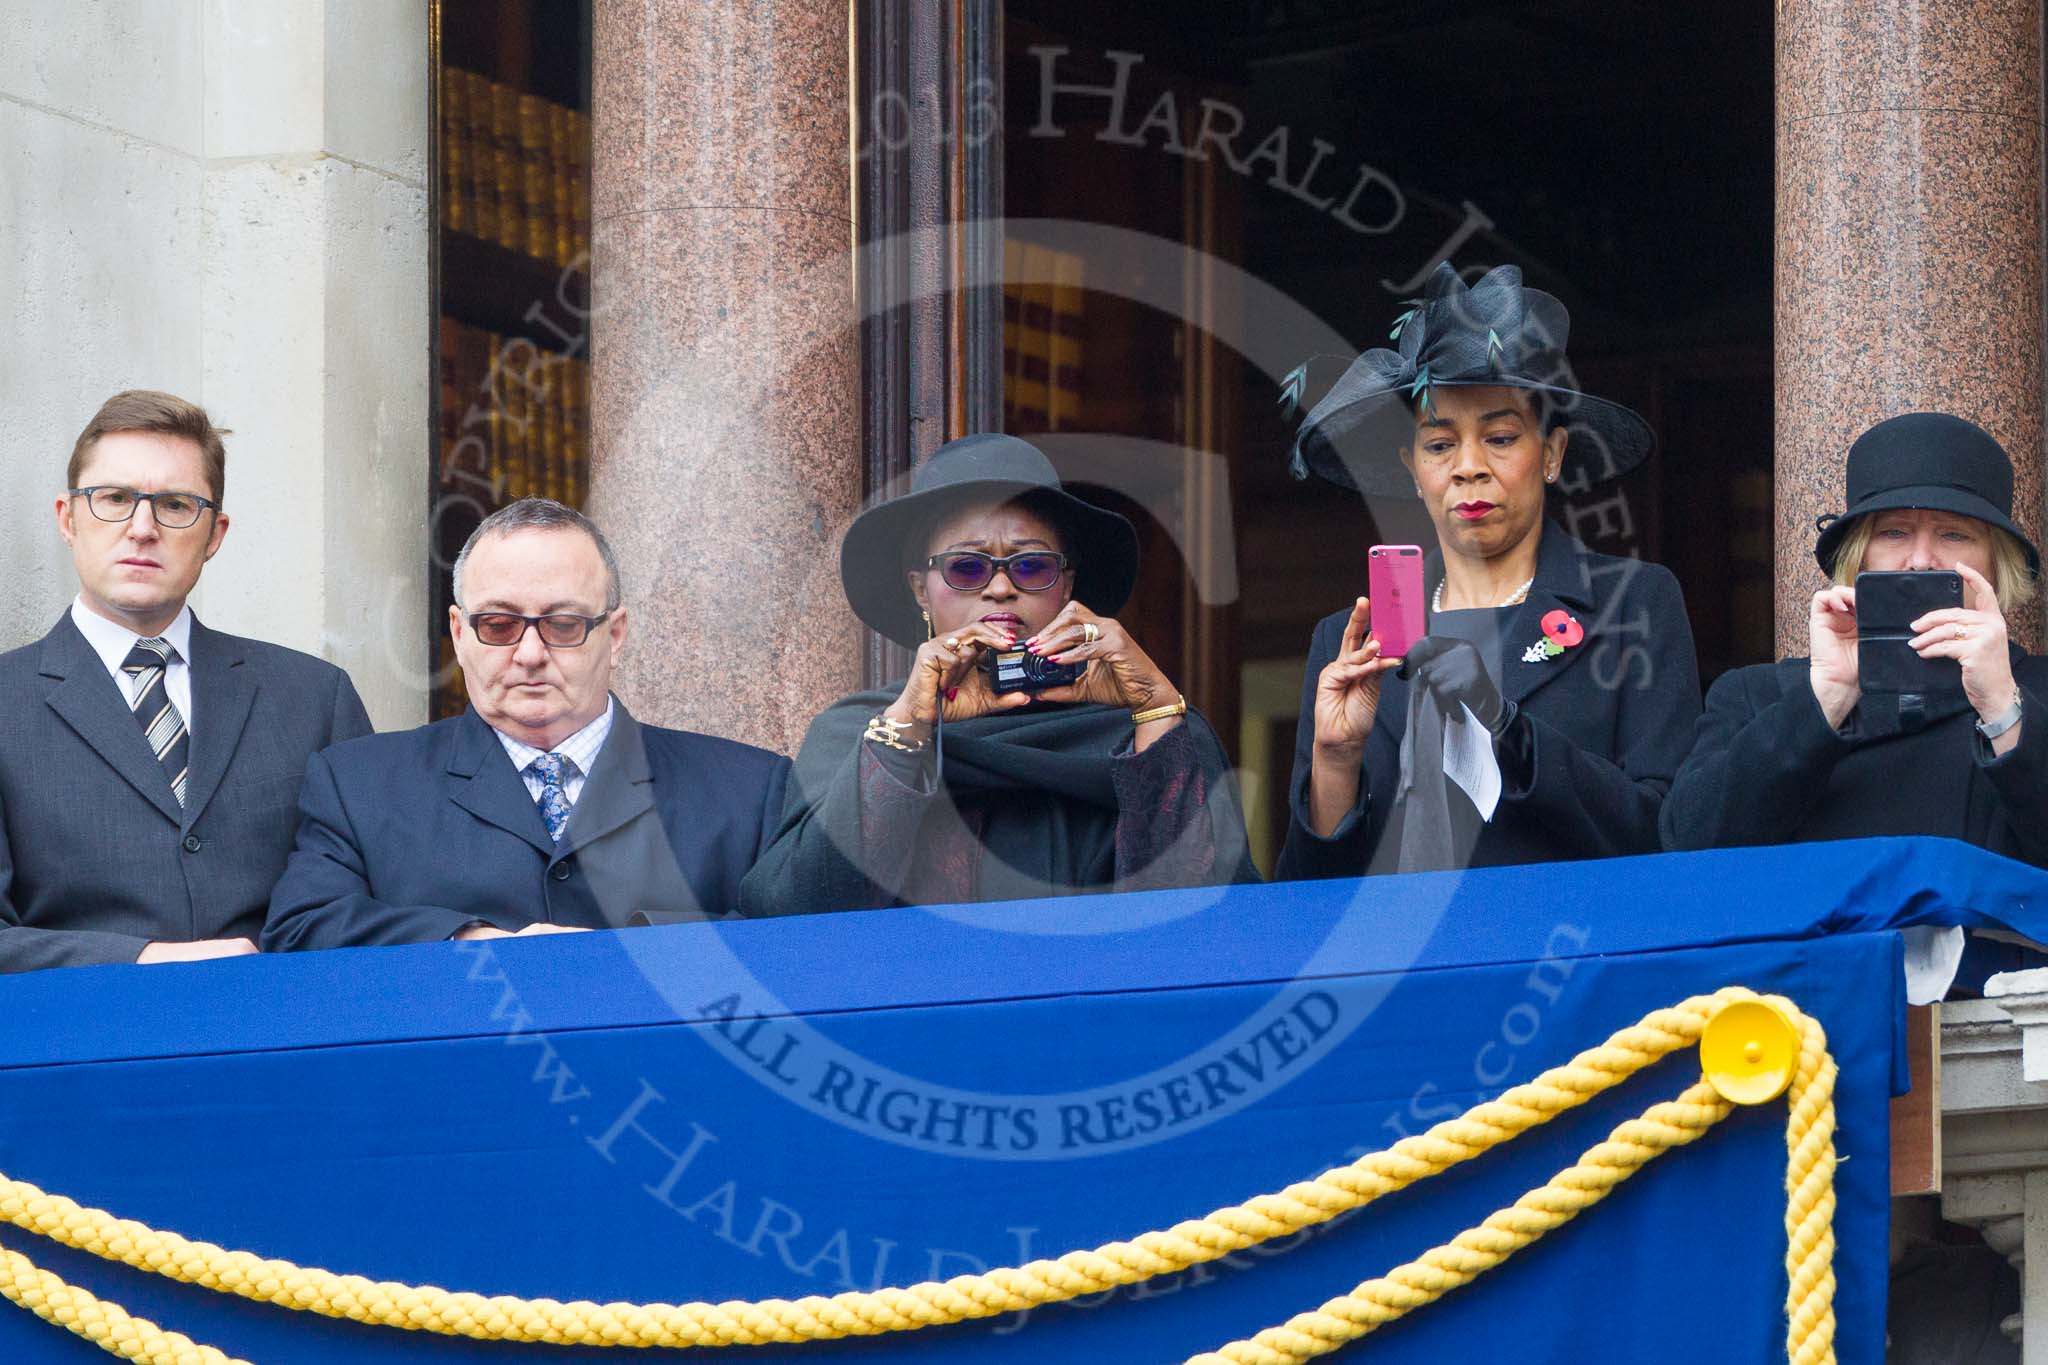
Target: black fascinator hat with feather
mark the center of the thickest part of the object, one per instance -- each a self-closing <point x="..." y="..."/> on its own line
<point x="1494" y="333"/>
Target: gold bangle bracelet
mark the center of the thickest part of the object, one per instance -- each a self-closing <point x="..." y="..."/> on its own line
<point x="882" y="730"/>
<point x="1167" y="712"/>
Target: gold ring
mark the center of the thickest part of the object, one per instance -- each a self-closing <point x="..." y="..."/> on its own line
<point x="1090" y="633"/>
<point x="1961" y="631"/>
<point x="952" y="642"/>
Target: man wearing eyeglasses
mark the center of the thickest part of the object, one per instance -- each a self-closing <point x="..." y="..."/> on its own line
<point x="148" y="765"/>
<point x="546" y="806"/>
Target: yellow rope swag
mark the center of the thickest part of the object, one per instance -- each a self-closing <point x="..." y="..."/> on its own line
<point x="1737" y="1052"/>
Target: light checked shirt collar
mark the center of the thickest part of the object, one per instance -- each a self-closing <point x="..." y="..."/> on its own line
<point x="580" y="749"/>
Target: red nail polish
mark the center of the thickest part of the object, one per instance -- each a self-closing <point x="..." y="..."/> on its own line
<point x="951" y="693"/>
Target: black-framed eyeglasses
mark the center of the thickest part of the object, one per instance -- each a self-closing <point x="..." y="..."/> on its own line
<point x="172" y="511"/>
<point x="971" y="570"/>
<point x="558" y="630"/>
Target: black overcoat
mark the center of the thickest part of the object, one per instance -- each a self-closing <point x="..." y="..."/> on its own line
<point x="1768" y="768"/>
<point x="1602" y="730"/>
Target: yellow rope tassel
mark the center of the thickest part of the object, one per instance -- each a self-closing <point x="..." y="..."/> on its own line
<point x="1809" y="1224"/>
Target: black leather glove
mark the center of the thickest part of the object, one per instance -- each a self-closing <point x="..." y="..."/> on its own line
<point x="1453" y="670"/>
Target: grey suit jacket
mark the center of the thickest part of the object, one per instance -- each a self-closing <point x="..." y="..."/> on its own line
<point x="96" y="857"/>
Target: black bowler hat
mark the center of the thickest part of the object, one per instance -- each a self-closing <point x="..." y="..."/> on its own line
<point x="886" y="541"/>
<point x="1925" y="460"/>
<point x="1496" y="333"/>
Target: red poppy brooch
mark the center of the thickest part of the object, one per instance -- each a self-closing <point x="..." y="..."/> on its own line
<point x="1561" y="631"/>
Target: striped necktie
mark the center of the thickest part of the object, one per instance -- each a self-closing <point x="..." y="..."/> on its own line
<point x="161" y="724"/>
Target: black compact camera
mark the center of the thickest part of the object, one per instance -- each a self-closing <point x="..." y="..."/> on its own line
<point x="1019" y="670"/>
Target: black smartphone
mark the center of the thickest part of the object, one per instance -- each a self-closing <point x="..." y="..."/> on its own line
<point x="1019" y="670"/>
<point x="1887" y="604"/>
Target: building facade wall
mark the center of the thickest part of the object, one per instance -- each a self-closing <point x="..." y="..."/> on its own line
<point x="228" y="201"/>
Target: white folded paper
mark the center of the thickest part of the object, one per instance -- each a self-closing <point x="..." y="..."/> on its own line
<point x="1933" y="952"/>
<point x="1469" y="760"/>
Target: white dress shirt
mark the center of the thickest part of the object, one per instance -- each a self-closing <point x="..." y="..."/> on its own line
<point x="580" y="749"/>
<point x="112" y="643"/>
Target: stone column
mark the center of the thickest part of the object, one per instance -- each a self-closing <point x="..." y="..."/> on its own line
<point x="1909" y="270"/>
<point x="725" y="378"/>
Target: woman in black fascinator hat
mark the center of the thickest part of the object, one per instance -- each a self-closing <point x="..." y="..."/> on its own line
<point x="1579" y="665"/>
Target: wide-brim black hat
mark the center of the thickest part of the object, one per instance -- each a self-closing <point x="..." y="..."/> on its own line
<point x="888" y="539"/>
<point x="1495" y="333"/>
<point x="1930" y="461"/>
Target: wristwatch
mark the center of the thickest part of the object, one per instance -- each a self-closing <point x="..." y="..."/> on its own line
<point x="1993" y="729"/>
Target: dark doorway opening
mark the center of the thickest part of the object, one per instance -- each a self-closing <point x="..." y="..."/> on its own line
<point x="1331" y="151"/>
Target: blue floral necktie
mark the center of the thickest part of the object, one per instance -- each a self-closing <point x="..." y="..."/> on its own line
<point x="554" y="802"/>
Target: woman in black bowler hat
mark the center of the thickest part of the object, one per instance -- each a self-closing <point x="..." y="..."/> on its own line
<point x="1579" y="665"/>
<point x="1796" y="750"/>
<point x="943" y="788"/>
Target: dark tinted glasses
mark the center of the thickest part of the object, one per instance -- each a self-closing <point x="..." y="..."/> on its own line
<point x="559" y="631"/>
<point x="971" y="570"/>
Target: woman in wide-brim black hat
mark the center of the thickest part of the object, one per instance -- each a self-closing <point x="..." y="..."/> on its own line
<point x="1580" y="665"/>
<point x="1797" y="751"/>
<point x="941" y="790"/>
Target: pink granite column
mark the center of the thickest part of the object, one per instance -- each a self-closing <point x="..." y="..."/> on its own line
<point x="1909" y="268"/>
<point x="724" y="361"/>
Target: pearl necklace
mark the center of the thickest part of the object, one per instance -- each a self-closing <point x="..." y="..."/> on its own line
<point x="1521" y="594"/>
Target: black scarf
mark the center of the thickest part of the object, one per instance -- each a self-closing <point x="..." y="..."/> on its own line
<point x="1040" y="779"/>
